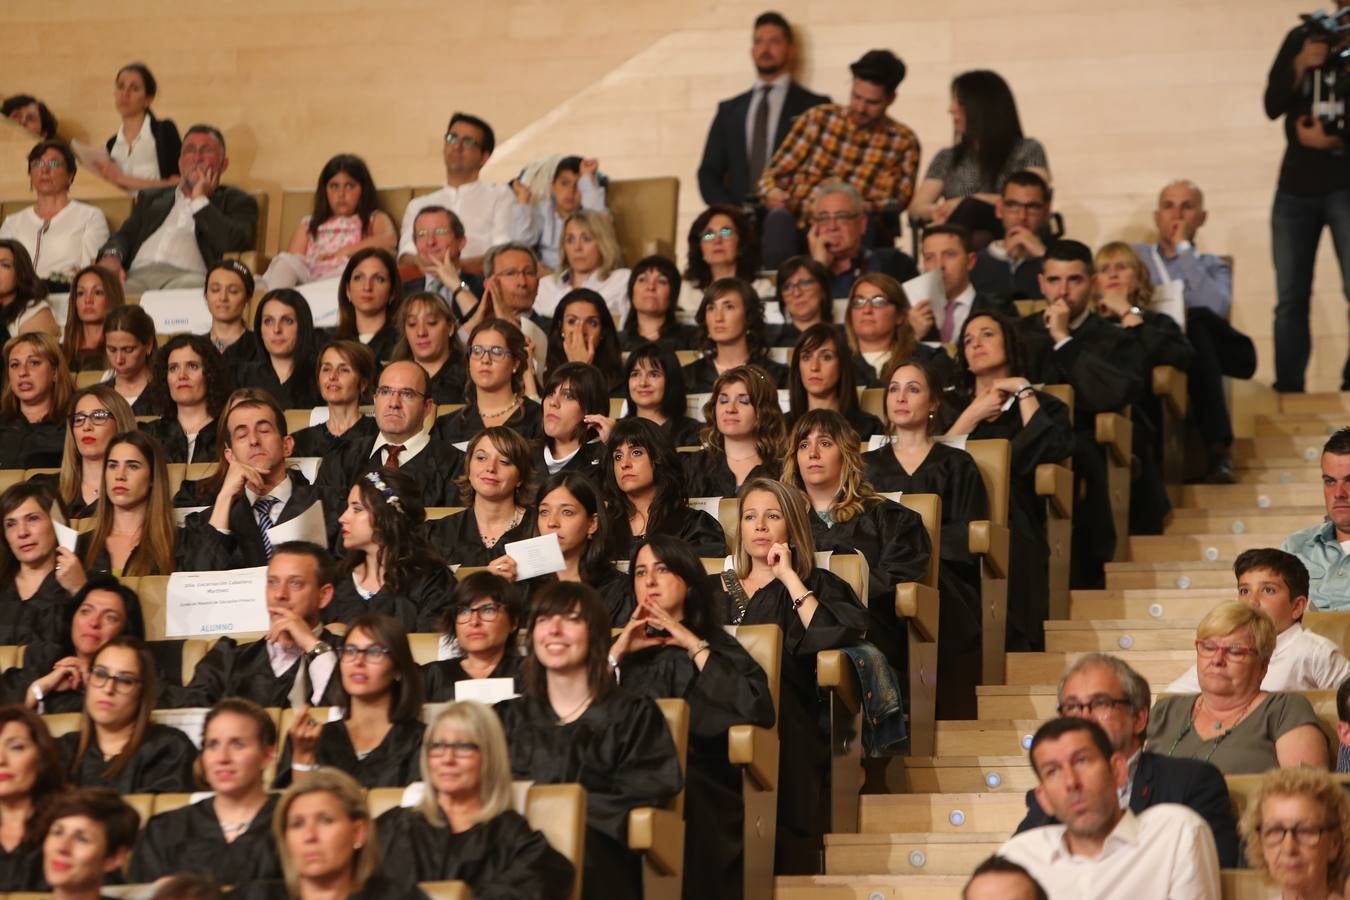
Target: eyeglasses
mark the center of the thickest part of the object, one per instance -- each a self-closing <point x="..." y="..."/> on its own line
<point x="427" y="232"/>
<point x="373" y="654"/>
<point x="827" y="218"/>
<point x="478" y="351"/>
<point x="459" y="749"/>
<point x="407" y="395"/>
<point x="1307" y="835"/>
<point x="515" y="273"/>
<point x="725" y="233"/>
<point x="487" y="612"/>
<point x="876" y="302"/>
<point x="1236" y="652"/>
<point x="1096" y="705"/>
<point x="99" y="416"/>
<point x="796" y="287"/>
<point x="46" y="164"/>
<point x="99" y="677"/>
<point x="468" y="142"/>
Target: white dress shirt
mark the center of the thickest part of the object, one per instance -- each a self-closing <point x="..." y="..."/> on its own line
<point x="1165" y="852"/>
<point x="962" y="302"/>
<point x="320" y="668"/>
<point x="174" y="243"/>
<point x="552" y="288"/>
<point x="138" y="158"/>
<point x="70" y="241"/>
<point x="1303" y="661"/>
<point x="411" y="447"/>
<point x="281" y="493"/>
<point x="485" y="210"/>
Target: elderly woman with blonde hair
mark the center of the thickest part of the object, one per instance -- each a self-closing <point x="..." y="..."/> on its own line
<point x="1297" y="834"/>
<point x="1232" y="723"/>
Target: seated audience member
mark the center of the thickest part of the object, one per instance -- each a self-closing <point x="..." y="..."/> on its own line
<point x="743" y="436"/>
<point x="836" y="239"/>
<point x="655" y="391"/>
<point x="95" y="293"/>
<point x="511" y="281"/>
<point x="1296" y="833"/>
<point x="591" y="258"/>
<point x="401" y="441"/>
<point x="328" y="845"/>
<point x="877" y="327"/>
<point x="289" y="348"/>
<point x="823" y="374"/>
<point x="428" y="338"/>
<point x="229" y="287"/>
<point x="990" y="357"/>
<point x="227" y="835"/>
<point x="731" y="334"/>
<point x="129" y="343"/>
<point x="1002" y="879"/>
<point x="575" y="724"/>
<point x="98" y="413"/>
<point x="439" y="238"/>
<point x="36" y="781"/>
<point x="775" y="581"/>
<point x="1164" y="851"/>
<point x="1303" y="661"/>
<point x="582" y="332"/>
<point x="963" y="182"/>
<point x="378" y="740"/>
<point x="803" y="289"/>
<point x="484" y="619"/>
<point x="856" y="144"/>
<point x="145" y="151"/>
<point x="498" y="489"/>
<point x="390" y="567"/>
<point x="485" y="209"/>
<point x="1010" y="267"/>
<point x="117" y="746"/>
<point x="947" y="249"/>
<point x="54" y="673"/>
<point x="674" y="647"/>
<point x="32" y="599"/>
<point x="345" y="374"/>
<point x="61" y="235"/>
<point x="654" y="289"/>
<point x="369" y="293"/>
<point x="464" y="828"/>
<point x="1319" y="546"/>
<point x="35" y="402"/>
<point x="848" y="516"/>
<point x="1105" y="690"/>
<point x="575" y="422"/>
<point x="1232" y="722"/>
<point x="192" y="383"/>
<point x="174" y="234"/>
<point x="23" y="296"/>
<point x="345" y="217"/>
<point x="722" y="244"/>
<point x="31" y="114"/>
<point x="186" y="886"/>
<point x="87" y="835"/>
<point x="296" y="657"/>
<point x="1343" y="727"/>
<point x="645" y="492"/>
<point x="540" y="224"/>
<point x="499" y="386"/>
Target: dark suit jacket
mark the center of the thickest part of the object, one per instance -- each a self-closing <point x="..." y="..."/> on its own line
<point x="435" y="469"/>
<point x="208" y="550"/>
<point x="225" y="225"/>
<point x="1162" y="779"/>
<point x="724" y="173"/>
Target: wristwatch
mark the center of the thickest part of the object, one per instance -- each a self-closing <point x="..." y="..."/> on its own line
<point x="1135" y="311"/>
<point x="1184" y="246"/>
<point x="318" y="650"/>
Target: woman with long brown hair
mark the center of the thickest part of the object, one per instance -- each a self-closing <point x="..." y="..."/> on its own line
<point x="731" y="335"/>
<point x="743" y="435"/>
<point x="823" y="374"/>
<point x="129" y="342"/>
<point x="98" y="413"/>
<point x="35" y="779"/>
<point x="35" y="402"/>
<point x="94" y="293"/>
<point x="369" y="292"/>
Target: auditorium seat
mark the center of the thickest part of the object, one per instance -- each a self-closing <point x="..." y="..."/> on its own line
<point x="255" y="258"/>
<point x="989" y="543"/>
<point x="756" y="750"/>
<point x="657" y="833"/>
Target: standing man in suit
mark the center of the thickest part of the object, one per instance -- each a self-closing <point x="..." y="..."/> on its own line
<point x="175" y="234"/>
<point x="750" y="126"/>
<point x="1107" y="691"/>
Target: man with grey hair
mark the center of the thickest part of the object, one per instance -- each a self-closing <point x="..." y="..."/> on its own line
<point x="835" y="239"/>
<point x="511" y="282"/>
<point x="1106" y="690"/>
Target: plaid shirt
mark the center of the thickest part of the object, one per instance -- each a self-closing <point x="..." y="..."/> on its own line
<point x="824" y="144"/>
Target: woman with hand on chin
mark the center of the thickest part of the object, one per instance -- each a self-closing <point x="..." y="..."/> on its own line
<point x="98" y="413"/>
<point x="346" y="372"/>
<point x="498" y="488"/>
<point x="576" y="421"/>
<point x="656" y="392"/>
<point x="193" y="383"/>
<point x="32" y="599"/>
<point x="501" y="384"/>
<point x="731" y="334"/>
<point x="743" y="437"/>
<point x="483" y="619"/>
<point x="35" y="780"/>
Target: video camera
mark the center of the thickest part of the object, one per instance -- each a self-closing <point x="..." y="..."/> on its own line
<point x="1329" y="82"/>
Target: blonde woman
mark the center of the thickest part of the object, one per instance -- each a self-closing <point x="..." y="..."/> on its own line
<point x="35" y="402"/>
<point x="1297" y="834"/>
<point x="591" y="259"/>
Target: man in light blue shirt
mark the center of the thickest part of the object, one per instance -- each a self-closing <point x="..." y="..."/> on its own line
<point x="1208" y="279"/>
<point x="1325" y="548"/>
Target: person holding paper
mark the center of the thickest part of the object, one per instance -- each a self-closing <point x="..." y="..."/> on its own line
<point x="87" y="836"/>
<point x="498" y="489"/>
<point x="192" y="383"/>
<point x="464" y="828"/>
<point x="484" y="618"/>
<point x="32" y="598"/>
<point x="674" y="647"/>
<point x="878" y="328"/>
<point x="824" y="375"/>
<point x="61" y="235"/>
<point x="582" y="331"/>
<point x="501" y="384"/>
<point x="390" y="568"/>
<point x="129" y="343"/>
<point x="346" y="373"/>
<point x="228" y="835"/>
<point x="948" y="250"/>
<point x="655" y="392"/>
<point x="229" y="287"/>
<point x="368" y="293"/>
<point x="802" y="289"/>
<point x="576" y="724"/>
<point x="117" y="746"/>
<point x="36" y="780"/>
<point x="654" y="286"/>
<point x="731" y="334"/>
<point x="35" y="402"/>
<point x="575" y="421"/>
<point x="744" y="437"/>
<point x="95" y="293"/>
<point x="645" y="493"/>
<point x="98" y="413"/>
<point x="284" y="326"/>
<point x="427" y="336"/>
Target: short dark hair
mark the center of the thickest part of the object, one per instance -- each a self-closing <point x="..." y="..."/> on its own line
<point x="267" y="729"/>
<point x="567" y="164"/>
<point x="456" y="225"/>
<point x="1339" y="443"/>
<point x="1028" y="178"/>
<point x="480" y="586"/>
<point x="1001" y="865"/>
<point x="67" y="155"/>
<point x="1057" y="728"/>
<point x="131" y="604"/>
<point x="141" y="69"/>
<point x="405" y="695"/>
<point x="322" y="560"/>
<point x="203" y="128"/>
<point x="587" y="383"/>
<point x="46" y="121"/>
<point x="665" y="361"/>
<point x="956" y="231"/>
<point x="489" y="137"/>
<point x="1068" y="250"/>
<point x="120" y="821"/>
<point x="880" y="67"/>
<point x="1286" y="565"/>
<point x="777" y="20"/>
<point x="561" y="598"/>
<point x="1343" y="701"/>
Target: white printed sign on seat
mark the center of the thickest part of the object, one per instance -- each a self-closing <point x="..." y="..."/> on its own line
<point x="177" y="311"/>
<point x="322" y="297"/>
<point x="201" y="604"/>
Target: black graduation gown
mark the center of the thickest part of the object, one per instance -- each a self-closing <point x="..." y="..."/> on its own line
<point x="707" y="474"/>
<point x="621" y="752"/>
<point x="383" y="342"/>
<point x="78" y="507"/>
<point x="244" y="670"/>
<point x="42" y="617"/>
<point x="462" y="424"/>
<point x="864" y="423"/>
<point x="189" y="839"/>
<point x="419" y="605"/>
<point x="317" y="440"/>
<point x="586" y="461"/>
<point x="447" y="385"/>
<point x="683" y="431"/>
<point x="170" y="433"/>
<point x="459" y="542"/>
<point x="730" y="690"/>
<point x="500" y="859"/>
<point x="615" y="588"/>
<point x="301" y="390"/>
<point x="163" y="763"/>
<point x="435" y="468"/>
<point x="702" y="532"/>
<point x="21" y="869"/>
<point x="247" y="349"/>
<point x="38" y="660"/>
<point x="31" y="445"/>
<point x="440" y="676"/>
<point x="935" y="356"/>
<point x="395" y="762"/>
<point x="204" y="549"/>
<point x="674" y="338"/>
<point x="103" y="562"/>
<point x="379" y="887"/>
<point x="701" y="374"/>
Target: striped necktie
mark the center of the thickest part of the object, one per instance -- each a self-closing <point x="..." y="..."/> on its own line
<point x="262" y="510"/>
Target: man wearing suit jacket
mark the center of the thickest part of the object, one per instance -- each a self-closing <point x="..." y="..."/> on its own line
<point x="174" y="234"/>
<point x="440" y="239"/>
<point x="1104" y="689"/>
<point x="947" y="248"/>
<point x="729" y="171"/>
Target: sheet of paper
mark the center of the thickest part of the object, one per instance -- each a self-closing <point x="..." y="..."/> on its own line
<point x="180" y="513"/>
<point x="462" y="446"/>
<point x="536" y="556"/>
<point x="177" y="310"/>
<point x="308" y="466"/>
<point x="785" y="400"/>
<point x="413" y="793"/>
<point x="323" y="303"/>
<point x="65" y="535"/>
<point x="201" y="604"/>
<point x="693" y="405"/>
<point x="190" y="720"/>
<point x="485" y="690"/>
<point x="953" y="440"/>
<point x="710" y="505"/>
<point x="892" y="495"/>
<point x="310" y="526"/>
<point x="59" y="303"/>
<point x="318" y="416"/>
<point x="773" y="314"/>
<point x="877" y="441"/>
<point x="928" y="286"/>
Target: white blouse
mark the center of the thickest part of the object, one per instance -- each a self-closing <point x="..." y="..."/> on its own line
<point x="63" y="246"/>
<point x="138" y="158"/>
<point x="614" y="289"/>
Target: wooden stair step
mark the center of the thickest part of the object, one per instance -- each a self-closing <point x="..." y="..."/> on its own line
<point x="1116" y="635"/>
<point x="964" y="774"/>
<point x="1178" y="575"/>
<point x="1198" y="547"/>
<point x="1285" y="520"/>
<point x="1155" y="603"/>
<point x="1157" y="666"/>
<point x="1225" y="496"/>
<point x="909" y="854"/>
<point x="955" y="813"/>
<point x="868" y="887"/>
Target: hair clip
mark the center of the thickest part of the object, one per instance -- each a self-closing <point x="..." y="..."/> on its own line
<point x="385" y="490"/>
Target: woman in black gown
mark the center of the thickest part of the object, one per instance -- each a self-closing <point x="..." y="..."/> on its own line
<point x="653" y="294"/>
<point x="575" y="724"/>
<point x="655" y="391"/>
<point x="427" y="336"/>
<point x="88" y="834"/>
<point x="36" y="777"/>
<point x="498" y="488"/>
<point x="229" y="287"/>
<point x="483" y="619"/>
<point x="802" y="286"/>
<point x="823" y="375"/>
<point x="731" y="334"/>
<point x="284" y="368"/>
<point x="699" y="662"/>
<point x="345" y="373"/>
<point x="463" y="828"/>
<point x="583" y="332"/>
<point x="192" y="383"/>
<point x="35" y="402"/>
<point x="369" y="293"/>
<point x="32" y="600"/>
<point x="500" y="385"/>
<point x="575" y="421"/>
<point x="743" y="437"/>
<point x="97" y="414"/>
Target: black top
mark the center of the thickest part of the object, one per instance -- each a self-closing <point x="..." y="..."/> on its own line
<point x="42" y="617"/>
<point x="1303" y="170"/>
<point x="586" y="461"/>
<point x="440" y="676"/>
<point x="435" y="468"/>
<point x="461" y="425"/>
<point x="701" y="374"/>
<point x="419" y="605"/>
<point x="683" y="431"/>
<point x="21" y="869"/>
<point x="243" y="670"/>
<point x="163" y="763"/>
<point x="103" y="561"/>
<point x="379" y="887"/>
<point x="395" y="762"/>
<point x="210" y="550"/>
<point x="702" y="532"/>
<point x="458" y="540"/>
<point x="678" y="337"/>
<point x="382" y="343"/>
<point x="31" y="445"/>
<point x="1000" y="278"/>
<point x="168" y="145"/>
<point x="706" y="473"/>
<point x="301" y="390"/>
<point x="447" y="385"/>
<point x="861" y="421"/>
<point x="170" y="433"/>
<point x="1103" y="362"/>
<point x="247" y="348"/>
<point x="947" y="471"/>
<point x="615" y="588"/>
<point x="189" y="839"/>
<point x="77" y="507"/>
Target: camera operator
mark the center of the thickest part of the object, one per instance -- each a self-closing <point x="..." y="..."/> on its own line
<point x="1313" y="192"/>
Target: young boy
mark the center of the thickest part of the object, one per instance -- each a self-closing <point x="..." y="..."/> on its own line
<point x="540" y="225"/>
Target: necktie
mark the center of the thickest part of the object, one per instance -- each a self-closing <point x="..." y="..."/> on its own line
<point x="948" y="322"/>
<point x="262" y="510"/>
<point x="759" y="138"/>
<point x="391" y="455"/>
<point x="299" y="694"/>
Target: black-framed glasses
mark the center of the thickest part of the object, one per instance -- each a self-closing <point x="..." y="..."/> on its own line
<point x="1307" y="835"/>
<point x="1095" y="705"/>
<point x="487" y="612"/>
<point x="1019" y="206"/>
<point x="458" y="749"/>
<point x="477" y="351"/>
<point x="121" y="682"/>
<point x="796" y="287"/>
<point x="726" y="233"/>
<point x="469" y="142"/>
<point x="98" y="416"/>
<point x="876" y="302"/>
<point x="373" y="654"/>
<point x="407" y="395"/>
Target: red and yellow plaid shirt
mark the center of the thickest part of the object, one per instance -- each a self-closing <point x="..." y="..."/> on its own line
<point x="880" y="161"/>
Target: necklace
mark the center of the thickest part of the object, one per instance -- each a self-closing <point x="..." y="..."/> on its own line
<point x="564" y="720"/>
<point x="1218" y="726"/>
<point x="752" y="455"/>
<point x="491" y="541"/>
<point x="500" y="412"/>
